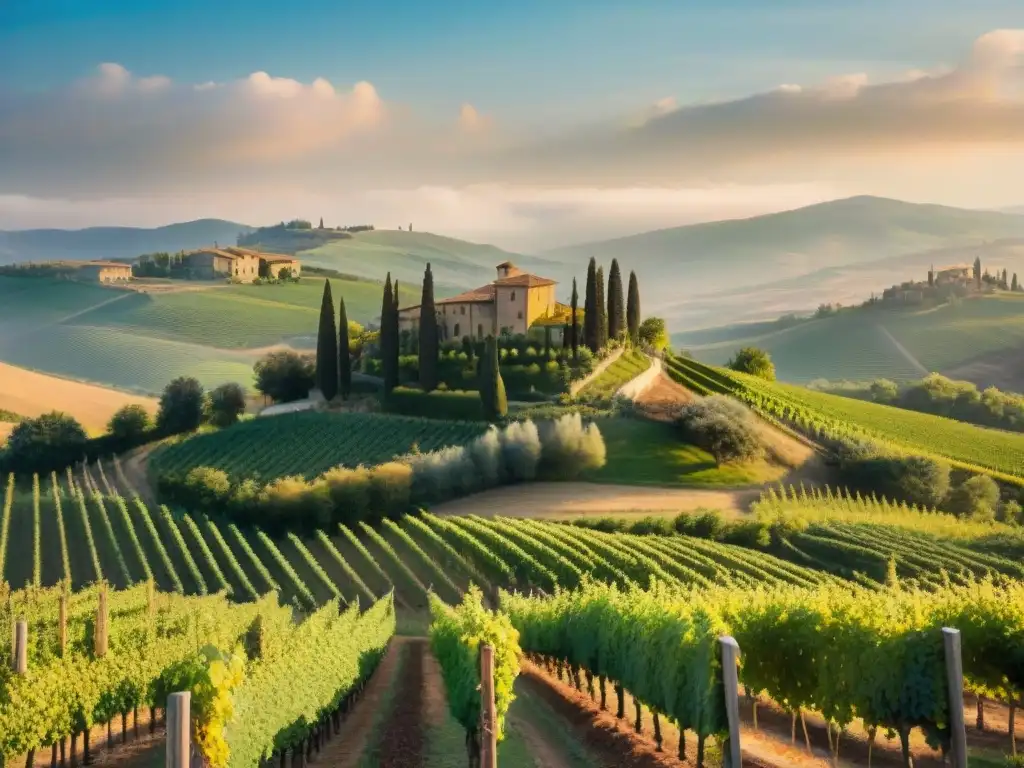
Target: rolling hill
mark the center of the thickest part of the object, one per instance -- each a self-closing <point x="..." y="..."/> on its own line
<point x="865" y="344"/>
<point x="113" y="242"/>
<point x="689" y="274"/>
<point x="455" y="263"/>
<point x="140" y="341"/>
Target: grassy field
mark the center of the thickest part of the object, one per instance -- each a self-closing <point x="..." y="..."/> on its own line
<point x="855" y="346"/>
<point x="30" y="394"/>
<point x="310" y="443"/>
<point x="141" y="341"/>
<point x="406" y="254"/>
<point x="644" y="452"/>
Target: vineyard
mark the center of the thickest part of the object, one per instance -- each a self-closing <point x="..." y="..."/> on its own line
<point x="835" y="573"/>
<point x="310" y="443"/>
<point x="627" y="367"/>
<point x="820" y="414"/>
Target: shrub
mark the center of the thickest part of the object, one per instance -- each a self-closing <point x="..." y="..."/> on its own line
<point x="1011" y="512"/>
<point x="485" y="453"/>
<point x="390" y="489"/>
<point x="569" y="448"/>
<point x="914" y="479"/>
<point x="977" y="496"/>
<point x="754" y="361"/>
<point x="520" y="451"/>
<point x="129" y="423"/>
<point x="653" y="333"/>
<point x="349" y="491"/>
<point x="439" y="404"/>
<point x="443" y="474"/>
<point x="49" y="441"/>
<point x="721" y="426"/>
<point x="225" y="404"/>
<point x="206" y="488"/>
<point x="291" y="502"/>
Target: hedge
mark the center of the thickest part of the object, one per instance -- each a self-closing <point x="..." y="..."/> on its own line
<point x="439" y="404"/>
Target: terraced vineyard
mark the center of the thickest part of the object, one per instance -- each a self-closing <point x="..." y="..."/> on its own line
<point x="965" y="445"/>
<point x="628" y="366"/>
<point x="310" y="443"/>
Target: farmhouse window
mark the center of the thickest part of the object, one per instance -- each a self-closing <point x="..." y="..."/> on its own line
<point x="480" y="330"/>
<point x="520" y="314"/>
<point x="462" y="310"/>
<point x="456" y="334"/>
<point x="513" y="296"/>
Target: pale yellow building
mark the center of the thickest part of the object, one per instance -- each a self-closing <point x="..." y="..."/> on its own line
<point x="211" y="263"/>
<point x="105" y="271"/>
<point x="507" y="306"/>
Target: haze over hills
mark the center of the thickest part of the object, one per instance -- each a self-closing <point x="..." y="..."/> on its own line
<point x="680" y="264"/>
<point x="114" y="242"/>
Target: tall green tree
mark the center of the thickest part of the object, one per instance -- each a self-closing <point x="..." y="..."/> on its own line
<point x="574" y="329"/>
<point x="633" y="309"/>
<point x="600" y="309"/>
<point x="590" y="308"/>
<point x="344" y="354"/>
<point x="1014" y="285"/>
<point x="616" y="305"/>
<point x="327" y="347"/>
<point x="977" y="270"/>
<point x="429" y="344"/>
<point x="492" y="388"/>
<point x="388" y="339"/>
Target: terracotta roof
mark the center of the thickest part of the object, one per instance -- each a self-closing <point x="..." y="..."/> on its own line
<point x="106" y="264"/>
<point x="481" y="295"/>
<point x="277" y="258"/>
<point x="954" y="267"/>
<point x="221" y="252"/>
<point x="505" y="264"/>
<point x="271" y="257"/>
<point x="527" y="281"/>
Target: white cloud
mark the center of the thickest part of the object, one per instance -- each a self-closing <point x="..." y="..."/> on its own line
<point x="265" y="147"/>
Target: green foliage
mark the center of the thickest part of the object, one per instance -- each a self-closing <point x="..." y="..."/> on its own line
<point x="976" y="497"/>
<point x="439" y="404"/>
<point x="754" y="361"/>
<point x="653" y="333"/>
<point x="630" y="364"/>
<point x="225" y="404"/>
<point x="723" y="427"/>
<point x="50" y="438"/>
<point x="493" y="400"/>
<point x="616" y="305"/>
<point x="285" y="376"/>
<point x="309" y="443"/>
<point x="601" y="310"/>
<point x="344" y="352"/>
<point x="456" y="635"/>
<point x="389" y="336"/>
<point x="327" y="347"/>
<point x="633" y="309"/>
<point x="591" y="317"/>
<point x="130" y="422"/>
<point x="283" y="697"/>
<point x="181" y="406"/>
<point x="429" y="343"/>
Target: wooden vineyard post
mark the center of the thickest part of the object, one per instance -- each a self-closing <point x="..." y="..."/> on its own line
<point x="955" y="681"/>
<point x="488" y="716"/>
<point x="178" y="716"/>
<point x="21" y="648"/>
<point x="731" y="752"/>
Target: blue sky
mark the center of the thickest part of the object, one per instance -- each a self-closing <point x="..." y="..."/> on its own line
<point x="550" y="59"/>
<point x="533" y="122"/>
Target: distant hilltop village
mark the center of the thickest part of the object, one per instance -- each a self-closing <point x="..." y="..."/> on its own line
<point x="949" y="283"/>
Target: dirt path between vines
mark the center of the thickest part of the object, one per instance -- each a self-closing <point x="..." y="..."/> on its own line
<point x="402" y="737"/>
<point x="346" y="749"/>
<point x="135" y="466"/>
<point x="566" y="500"/>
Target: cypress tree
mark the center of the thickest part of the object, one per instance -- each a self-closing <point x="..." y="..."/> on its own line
<point x="633" y="309"/>
<point x="589" y="308"/>
<point x="616" y="308"/>
<point x="327" y="347"/>
<point x="428" y="334"/>
<point x="492" y="389"/>
<point x="388" y="340"/>
<point x="396" y="335"/>
<point x="1013" y="284"/>
<point x="601" y="323"/>
<point x="344" y="356"/>
<point x="574" y="329"/>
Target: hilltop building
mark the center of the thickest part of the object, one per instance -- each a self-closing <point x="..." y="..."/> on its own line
<point x="105" y="271"/>
<point x="509" y="305"/>
<point x="235" y="262"/>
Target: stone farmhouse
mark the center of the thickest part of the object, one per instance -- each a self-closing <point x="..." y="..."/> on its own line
<point x="239" y="263"/>
<point x="509" y="305"/>
<point x="105" y="271"/>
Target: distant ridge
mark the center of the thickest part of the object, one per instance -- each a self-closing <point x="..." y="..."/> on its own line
<point x="114" y="242"/>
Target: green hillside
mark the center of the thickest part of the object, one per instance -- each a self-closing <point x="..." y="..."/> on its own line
<point x="861" y="344"/>
<point x="405" y="254"/>
<point x="140" y="341"/>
